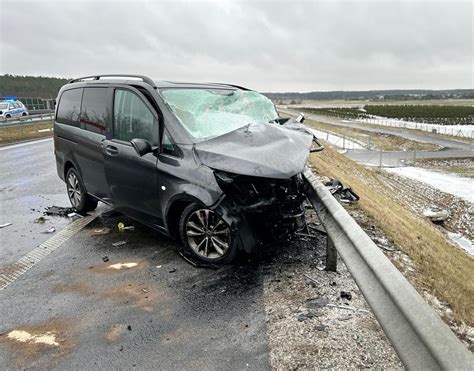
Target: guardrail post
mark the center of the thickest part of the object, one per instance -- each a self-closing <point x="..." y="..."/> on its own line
<point x="331" y="256"/>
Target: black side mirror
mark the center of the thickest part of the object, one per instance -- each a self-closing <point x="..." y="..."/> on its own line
<point x="141" y="146"/>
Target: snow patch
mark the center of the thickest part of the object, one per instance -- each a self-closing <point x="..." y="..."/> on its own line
<point x="452" y="184"/>
<point x="462" y="242"/>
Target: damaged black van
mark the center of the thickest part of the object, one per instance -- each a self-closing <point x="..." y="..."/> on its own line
<point x="210" y="164"/>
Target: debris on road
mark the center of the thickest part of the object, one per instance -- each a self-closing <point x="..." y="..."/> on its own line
<point x="346" y="295"/>
<point x="129" y="328"/>
<point x="317" y="303"/>
<point x="40" y="220"/>
<point x="119" y="243"/>
<point x="122" y="227"/>
<point x="196" y="264"/>
<point x="74" y="215"/>
<point x="49" y="230"/>
<point x="5" y="225"/>
<point x="317" y="228"/>
<point x="105" y="259"/>
<point x="59" y="211"/>
<point x="346" y="194"/>
<point x="172" y="270"/>
<point x="101" y="231"/>
<point x="436" y="214"/>
<point x="312" y="279"/>
<point x="122" y="265"/>
<point x="305" y="235"/>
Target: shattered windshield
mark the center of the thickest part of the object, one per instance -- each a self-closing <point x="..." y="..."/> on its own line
<point x="206" y="113"/>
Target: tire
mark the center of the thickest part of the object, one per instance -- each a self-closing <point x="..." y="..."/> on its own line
<point x="8" y="116"/>
<point x="206" y="236"/>
<point x="77" y="193"/>
<point x="24" y="114"/>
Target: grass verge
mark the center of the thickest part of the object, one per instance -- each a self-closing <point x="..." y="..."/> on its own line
<point x="442" y="268"/>
<point x="23" y="132"/>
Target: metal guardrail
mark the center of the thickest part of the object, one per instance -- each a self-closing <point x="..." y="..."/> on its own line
<point x="14" y="121"/>
<point x="421" y="339"/>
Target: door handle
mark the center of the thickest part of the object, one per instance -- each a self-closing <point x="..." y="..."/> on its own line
<point x="111" y="150"/>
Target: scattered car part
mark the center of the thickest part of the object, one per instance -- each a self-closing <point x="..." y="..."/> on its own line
<point x="5" y="225"/>
<point x="119" y="243"/>
<point x="345" y="194"/>
<point x="57" y="211"/>
<point x="346" y="295"/>
<point x="436" y="214"/>
<point x="40" y="220"/>
<point x="121" y="227"/>
<point x="49" y="230"/>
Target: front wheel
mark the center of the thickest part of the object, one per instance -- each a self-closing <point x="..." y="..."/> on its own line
<point x="206" y="235"/>
<point x="77" y="194"/>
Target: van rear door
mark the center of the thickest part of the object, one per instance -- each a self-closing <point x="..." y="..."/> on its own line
<point x="94" y="122"/>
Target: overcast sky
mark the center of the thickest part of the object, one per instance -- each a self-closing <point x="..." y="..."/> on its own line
<point x="268" y="46"/>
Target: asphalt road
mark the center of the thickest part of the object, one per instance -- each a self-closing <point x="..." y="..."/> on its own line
<point x="451" y="147"/>
<point x="159" y="313"/>
<point x="28" y="184"/>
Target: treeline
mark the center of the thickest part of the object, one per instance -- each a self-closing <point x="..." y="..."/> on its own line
<point x="416" y="94"/>
<point x="443" y="115"/>
<point x="30" y="86"/>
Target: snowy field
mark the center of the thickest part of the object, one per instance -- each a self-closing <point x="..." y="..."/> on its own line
<point x="466" y="131"/>
<point x="452" y="184"/>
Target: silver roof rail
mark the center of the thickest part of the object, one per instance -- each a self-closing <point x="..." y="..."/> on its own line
<point x="145" y="79"/>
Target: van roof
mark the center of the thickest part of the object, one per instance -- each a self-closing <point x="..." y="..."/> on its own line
<point x="159" y="84"/>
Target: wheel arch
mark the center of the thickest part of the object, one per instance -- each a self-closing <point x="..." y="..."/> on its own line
<point x="174" y="209"/>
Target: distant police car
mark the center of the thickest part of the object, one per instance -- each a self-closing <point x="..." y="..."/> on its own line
<point x="12" y="108"/>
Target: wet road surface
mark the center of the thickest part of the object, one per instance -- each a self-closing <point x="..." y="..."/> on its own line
<point x="143" y="306"/>
<point x="28" y="184"/>
<point x="160" y="313"/>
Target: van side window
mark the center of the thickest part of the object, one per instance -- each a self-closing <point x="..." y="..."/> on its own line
<point x="69" y="107"/>
<point x="94" y="115"/>
<point x="132" y="118"/>
<point x="168" y="146"/>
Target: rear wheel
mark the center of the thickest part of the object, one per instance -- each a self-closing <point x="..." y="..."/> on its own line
<point x="206" y="235"/>
<point x="77" y="194"/>
<point x="24" y="114"/>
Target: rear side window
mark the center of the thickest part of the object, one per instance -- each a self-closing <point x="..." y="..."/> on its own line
<point x="94" y="114"/>
<point x="132" y="118"/>
<point x="69" y="107"/>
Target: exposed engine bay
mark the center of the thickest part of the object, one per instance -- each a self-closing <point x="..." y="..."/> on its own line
<point x="275" y="206"/>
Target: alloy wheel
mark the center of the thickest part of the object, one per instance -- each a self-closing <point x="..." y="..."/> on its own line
<point x="74" y="189"/>
<point x="208" y="234"/>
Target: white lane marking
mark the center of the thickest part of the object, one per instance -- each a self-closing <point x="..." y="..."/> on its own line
<point x="13" y="146"/>
<point x="13" y="272"/>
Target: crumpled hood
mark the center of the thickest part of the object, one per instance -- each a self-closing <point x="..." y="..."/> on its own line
<point x="263" y="150"/>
